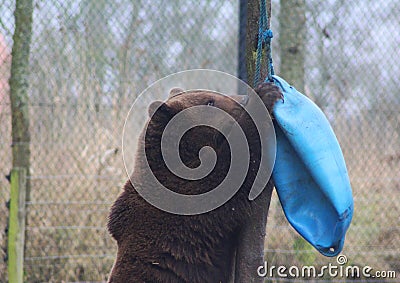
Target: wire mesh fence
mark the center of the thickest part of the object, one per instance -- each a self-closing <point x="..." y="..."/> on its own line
<point x="90" y="59"/>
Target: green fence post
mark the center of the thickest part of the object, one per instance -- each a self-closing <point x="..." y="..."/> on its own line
<point x="16" y="227"/>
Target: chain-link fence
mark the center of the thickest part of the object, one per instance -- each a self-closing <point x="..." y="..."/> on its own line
<point x="90" y="59"/>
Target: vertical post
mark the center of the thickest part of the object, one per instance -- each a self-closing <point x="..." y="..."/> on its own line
<point x="19" y="84"/>
<point x="16" y="226"/>
<point x="252" y="18"/>
<point x="292" y="23"/>
<point x="250" y="250"/>
<point x="20" y="137"/>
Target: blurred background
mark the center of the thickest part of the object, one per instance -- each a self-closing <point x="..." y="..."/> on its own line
<point x="89" y="60"/>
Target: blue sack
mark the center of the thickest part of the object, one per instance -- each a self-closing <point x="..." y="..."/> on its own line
<point x="310" y="173"/>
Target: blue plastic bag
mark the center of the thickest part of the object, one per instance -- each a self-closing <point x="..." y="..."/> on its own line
<point x="310" y="173"/>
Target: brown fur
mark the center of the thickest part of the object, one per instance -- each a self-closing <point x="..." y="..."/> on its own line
<point x="156" y="246"/>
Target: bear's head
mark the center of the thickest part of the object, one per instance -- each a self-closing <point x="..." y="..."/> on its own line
<point x="206" y="113"/>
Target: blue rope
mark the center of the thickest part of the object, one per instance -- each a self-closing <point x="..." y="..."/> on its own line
<point x="264" y="36"/>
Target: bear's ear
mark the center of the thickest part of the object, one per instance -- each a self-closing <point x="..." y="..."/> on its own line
<point x="159" y="106"/>
<point x="174" y="91"/>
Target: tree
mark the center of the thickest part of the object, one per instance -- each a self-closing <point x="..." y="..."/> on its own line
<point x="250" y="252"/>
<point x="292" y="23"/>
<point x="19" y="83"/>
<point x="20" y="137"/>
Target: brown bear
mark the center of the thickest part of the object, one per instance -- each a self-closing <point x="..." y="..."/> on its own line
<point x="158" y="246"/>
